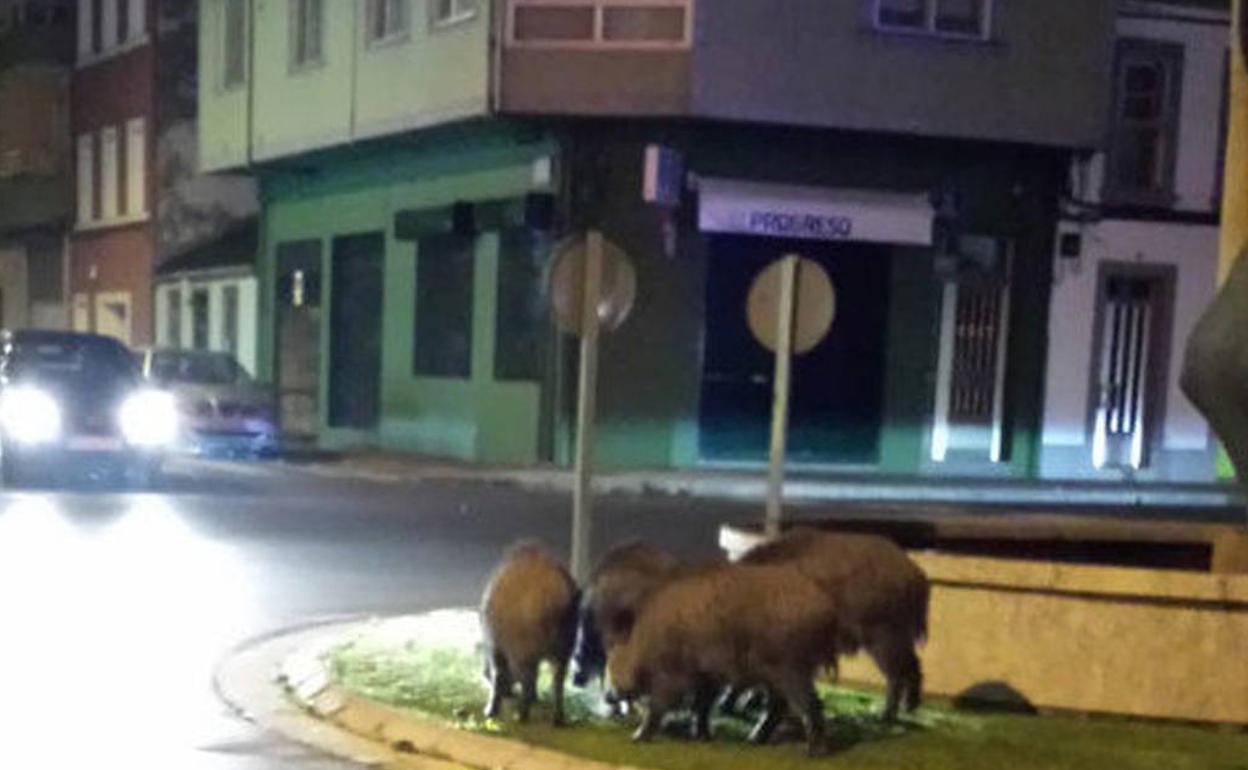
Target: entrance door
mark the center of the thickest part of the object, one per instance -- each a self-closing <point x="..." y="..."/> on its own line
<point x="299" y="337"/>
<point x="112" y="315"/>
<point x="836" y="406"/>
<point x="1133" y="329"/>
<point x="355" y="332"/>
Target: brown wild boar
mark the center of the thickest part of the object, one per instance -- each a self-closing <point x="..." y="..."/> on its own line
<point x="528" y="615"/>
<point x="880" y="594"/>
<point x="746" y="625"/>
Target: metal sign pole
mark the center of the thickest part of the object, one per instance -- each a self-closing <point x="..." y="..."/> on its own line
<point x="582" y="495"/>
<point x="780" y="401"/>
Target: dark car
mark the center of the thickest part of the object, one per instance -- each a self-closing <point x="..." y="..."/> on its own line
<point x="77" y="405"/>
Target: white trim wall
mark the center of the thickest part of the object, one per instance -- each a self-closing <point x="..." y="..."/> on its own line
<point x="248" y="307"/>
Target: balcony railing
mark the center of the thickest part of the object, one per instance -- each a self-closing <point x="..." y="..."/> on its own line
<point x="658" y="25"/>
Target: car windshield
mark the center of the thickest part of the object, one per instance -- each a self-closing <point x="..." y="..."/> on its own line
<point x="69" y="359"/>
<point x="197" y="369"/>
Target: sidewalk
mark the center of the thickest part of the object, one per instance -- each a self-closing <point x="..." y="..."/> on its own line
<point x="1221" y="500"/>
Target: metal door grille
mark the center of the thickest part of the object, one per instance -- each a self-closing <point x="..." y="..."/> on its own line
<point x="1126" y="344"/>
<point x="976" y="348"/>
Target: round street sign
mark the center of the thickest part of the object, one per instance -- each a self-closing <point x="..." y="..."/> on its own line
<point x="567" y="285"/>
<point x="814" y="311"/>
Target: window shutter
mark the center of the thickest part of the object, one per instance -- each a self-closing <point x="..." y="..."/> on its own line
<point x="136" y="167"/>
<point x="86" y="179"/>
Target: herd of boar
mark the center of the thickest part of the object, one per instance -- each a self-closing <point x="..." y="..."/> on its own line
<point x="675" y="635"/>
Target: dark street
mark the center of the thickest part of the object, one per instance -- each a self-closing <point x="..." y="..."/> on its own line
<point x="117" y="605"/>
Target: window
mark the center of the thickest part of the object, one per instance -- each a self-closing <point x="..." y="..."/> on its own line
<point x="229" y="319"/>
<point x="136" y="167"/>
<point x="1145" y="126"/>
<point x="234" y="47"/>
<point x="109" y="170"/>
<point x="385" y="20"/>
<point x="444" y="291"/>
<point x="523" y="323"/>
<point x="447" y="12"/>
<point x="173" y="318"/>
<point x="660" y="24"/>
<point x="200" y="305"/>
<point x="306" y="32"/>
<point x="86" y="179"/>
<point x="943" y="18"/>
<point x="107" y="26"/>
<point x="1219" y="171"/>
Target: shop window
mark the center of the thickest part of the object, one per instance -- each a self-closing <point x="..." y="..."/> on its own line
<point x="1145" y="128"/>
<point x="173" y="318"/>
<point x="385" y="20"/>
<point x="306" y="33"/>
<point x="523" y="323"/>
<point x="940" y="18"/>
<point x="229" y="319"/>
<point x="444" y="301"/>
<point x="200" y="314"/>
<point x="234" y="44"/>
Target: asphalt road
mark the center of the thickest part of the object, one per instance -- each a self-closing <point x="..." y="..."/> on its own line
<point x="117" y="606"/>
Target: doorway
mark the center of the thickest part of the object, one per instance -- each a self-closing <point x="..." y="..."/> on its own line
<point x="836" y="404"/>
<point x="1131" y="350"/>
<point x="299" y="338"/>
<point x="355" y="332"/>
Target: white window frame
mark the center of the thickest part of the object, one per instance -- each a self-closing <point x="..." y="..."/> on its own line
<point x="929" y="29"/>
<point x="86" y="179"/>
<point x="598" y="43"/>
<point x="86" y="30"/>
<point x="461" y="11"/>
<point x="137" y="31"/>
<point x="136" y="168"/>
<point x="226" y="83"/>
<point x="400" y="9"/>
<point x="298" y="33"/>
<point x="110" y="174"/>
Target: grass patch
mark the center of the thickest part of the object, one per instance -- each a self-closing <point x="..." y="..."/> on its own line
<point x="431" y="666"/>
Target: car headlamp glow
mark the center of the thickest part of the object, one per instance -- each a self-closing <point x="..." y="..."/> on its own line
<point x="29" y="415"/>
<point x="149" y="419"/>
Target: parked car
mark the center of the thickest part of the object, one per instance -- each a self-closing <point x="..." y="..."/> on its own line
<point x="76" y="405"/>
<point x="224" y="411"/>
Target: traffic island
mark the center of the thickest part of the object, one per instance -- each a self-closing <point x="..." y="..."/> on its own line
<point x="415" y="684"/>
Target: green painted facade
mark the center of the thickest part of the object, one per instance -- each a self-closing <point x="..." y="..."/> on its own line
<point x="363" y="191"/>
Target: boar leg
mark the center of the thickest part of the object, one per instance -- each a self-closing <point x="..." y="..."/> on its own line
<point x="500" y="684"/>
<point x="799" y="693"/>
<point x="703" y="702"/>
<point x="561" y="673"/>
<point x="895" y="658"/>
<point x="528" y="689"/>
<point x="659" y="703"/>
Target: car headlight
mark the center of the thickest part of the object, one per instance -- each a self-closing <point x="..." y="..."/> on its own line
<point x="149" y="419"/>
<point x="29" y="415"/>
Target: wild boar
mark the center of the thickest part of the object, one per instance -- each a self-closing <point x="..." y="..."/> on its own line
<point x="880" y="594"/>
<point x="528" y="615"/>
<point x="743" y="624"/>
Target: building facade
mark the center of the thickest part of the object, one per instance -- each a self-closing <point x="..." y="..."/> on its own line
<point x="140" y="199"/>
<point x="419" y="161"/>
<point x="36" y="55"/>
<point x="1137" y="253"/>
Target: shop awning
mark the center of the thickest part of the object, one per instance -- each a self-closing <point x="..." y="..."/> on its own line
<point x="814" y="213"/>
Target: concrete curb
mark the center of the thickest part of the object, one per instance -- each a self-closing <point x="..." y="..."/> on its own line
<point x="751" y="487"/>
<point x="318" y="712"/>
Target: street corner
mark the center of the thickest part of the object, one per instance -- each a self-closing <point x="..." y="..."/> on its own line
<point x="313" y="686"/>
